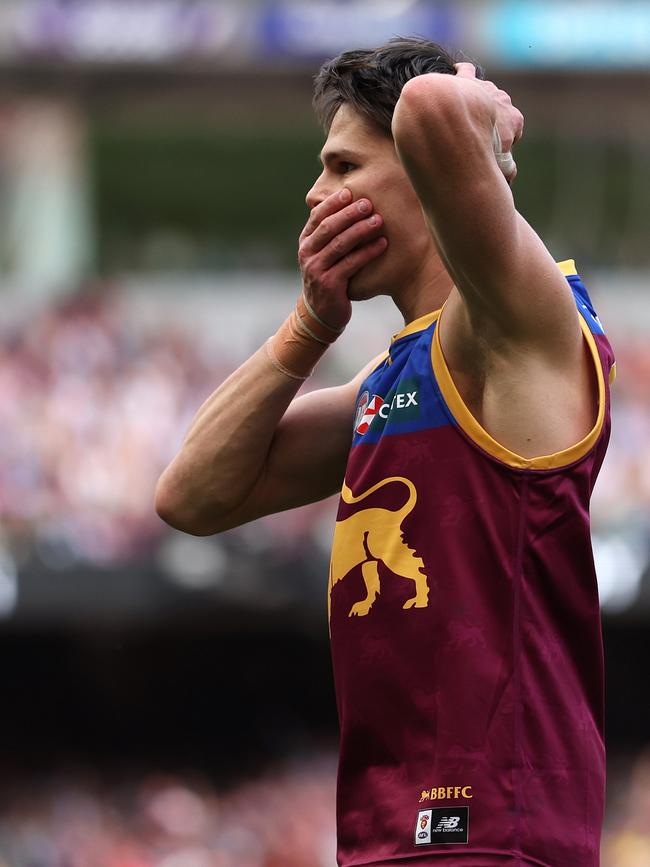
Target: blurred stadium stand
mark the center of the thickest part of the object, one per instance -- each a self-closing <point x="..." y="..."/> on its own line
<point x="167" y="700"/>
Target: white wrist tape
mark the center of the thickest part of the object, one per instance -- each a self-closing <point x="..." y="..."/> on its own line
<point x="505" y="160"/>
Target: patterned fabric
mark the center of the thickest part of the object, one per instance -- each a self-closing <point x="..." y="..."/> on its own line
<point x="465" y="628"/>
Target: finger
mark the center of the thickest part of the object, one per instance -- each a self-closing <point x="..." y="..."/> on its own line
<point x="465" y="70"/>
<point x="355" y="261"/>
<point x="328" y="206"/>
<point x="506" y="163"/>
<point x="345" y="242"/>
<point x="334" y="225"/>
<point x="520" y="128"/>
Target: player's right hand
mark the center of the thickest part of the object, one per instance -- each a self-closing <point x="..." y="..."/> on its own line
<point x="339" y="238"/>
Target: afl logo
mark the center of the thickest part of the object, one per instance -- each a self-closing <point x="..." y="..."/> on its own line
<point x="366" y="411"/>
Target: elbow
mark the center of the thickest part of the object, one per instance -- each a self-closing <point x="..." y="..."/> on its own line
<point x="419" y="103"/>
<point x="174" y="510"/>
<point x="440" y="108"/>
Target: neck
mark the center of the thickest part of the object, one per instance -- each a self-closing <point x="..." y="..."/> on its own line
<point x="428" y="289"/>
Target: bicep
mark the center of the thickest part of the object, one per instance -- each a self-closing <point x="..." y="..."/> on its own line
<point x="308" y="454"/>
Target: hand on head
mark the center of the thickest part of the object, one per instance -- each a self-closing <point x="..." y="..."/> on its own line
<point x="509" y="123"/>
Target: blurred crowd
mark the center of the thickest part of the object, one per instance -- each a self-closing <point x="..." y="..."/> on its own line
<point x="284" y="819"/>
<point x="623" y="488"/>
<point x="89" y="407"/>
<point x="94" y="401"/>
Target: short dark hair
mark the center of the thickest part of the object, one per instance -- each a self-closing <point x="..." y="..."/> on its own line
<point x="371" y="79"/>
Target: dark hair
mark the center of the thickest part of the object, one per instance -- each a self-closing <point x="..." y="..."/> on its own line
<point x="371" y="79"/>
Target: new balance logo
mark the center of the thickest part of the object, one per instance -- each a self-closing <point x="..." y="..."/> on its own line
<point x="443" y="825"/>
<point x="448" y="823"/>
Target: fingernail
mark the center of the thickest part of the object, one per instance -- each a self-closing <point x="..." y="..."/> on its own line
<point x="373" y="220"/>
<point x="345" y="195"/>
<point x="364" y="206"/>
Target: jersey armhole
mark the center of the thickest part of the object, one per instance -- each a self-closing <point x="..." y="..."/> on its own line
<point x="478" y="435"/>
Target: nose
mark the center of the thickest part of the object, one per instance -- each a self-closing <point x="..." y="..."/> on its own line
<point x="319" y="192"/>
<point x="315" y="196"/>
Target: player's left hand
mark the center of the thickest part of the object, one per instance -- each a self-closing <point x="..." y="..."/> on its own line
<point x="509" y="122"/>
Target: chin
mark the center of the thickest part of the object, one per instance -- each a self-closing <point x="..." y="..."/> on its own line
<point x="366" y="283"/>
<point x="362" y="292"/>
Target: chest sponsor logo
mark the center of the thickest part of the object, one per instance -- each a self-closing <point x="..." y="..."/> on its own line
<point x="373" y="536"/>
<point x="447" y="825"/>
<point x="401" y="404"/>
<point x="366" y="411"/>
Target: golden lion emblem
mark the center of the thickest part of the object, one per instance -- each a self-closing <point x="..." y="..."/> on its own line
<point x="373" y="536"/>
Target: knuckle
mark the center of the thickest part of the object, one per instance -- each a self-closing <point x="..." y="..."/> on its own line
<point x="310" y="271"/>
<point x="326" y="282"/>
<point x="312" y="283"/>
<point x="351" y="261"/>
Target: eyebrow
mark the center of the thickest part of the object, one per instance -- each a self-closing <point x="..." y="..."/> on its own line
<point x="325" y="157"/>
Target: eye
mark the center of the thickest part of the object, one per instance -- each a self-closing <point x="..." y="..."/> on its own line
<point x="346" y="168"/>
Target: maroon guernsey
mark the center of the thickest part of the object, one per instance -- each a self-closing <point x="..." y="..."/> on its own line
<point x="465" y="628"/>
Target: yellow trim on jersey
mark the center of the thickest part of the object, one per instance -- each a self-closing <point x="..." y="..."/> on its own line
<point x="612" y="374"/>
<point x="417" y="325"/>
<point x="482" y="438"/>
<point x="568" y="267"/>
<point x="380" y="360"/>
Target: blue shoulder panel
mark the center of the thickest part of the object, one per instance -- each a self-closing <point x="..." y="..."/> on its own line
<point x="584" y="304"/>
<point x="399" y="396"/>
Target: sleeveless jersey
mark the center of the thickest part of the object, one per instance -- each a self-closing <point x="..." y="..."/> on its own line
<point x="465" y="628"/>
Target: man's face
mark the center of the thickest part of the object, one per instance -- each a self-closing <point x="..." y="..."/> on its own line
<point x="359" y="155"/>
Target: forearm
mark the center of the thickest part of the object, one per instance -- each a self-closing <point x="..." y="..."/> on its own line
<point x="225" y="450"/>
<point x="225" y="453"/>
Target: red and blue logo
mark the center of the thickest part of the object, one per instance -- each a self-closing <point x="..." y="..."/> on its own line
<point x="367" y="409"/>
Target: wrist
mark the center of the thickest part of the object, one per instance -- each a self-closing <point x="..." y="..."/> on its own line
<point x="315" y="324"/>
<point x="301" y="341"/>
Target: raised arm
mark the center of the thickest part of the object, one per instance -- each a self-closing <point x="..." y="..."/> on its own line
<point x="510" y="286"/>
